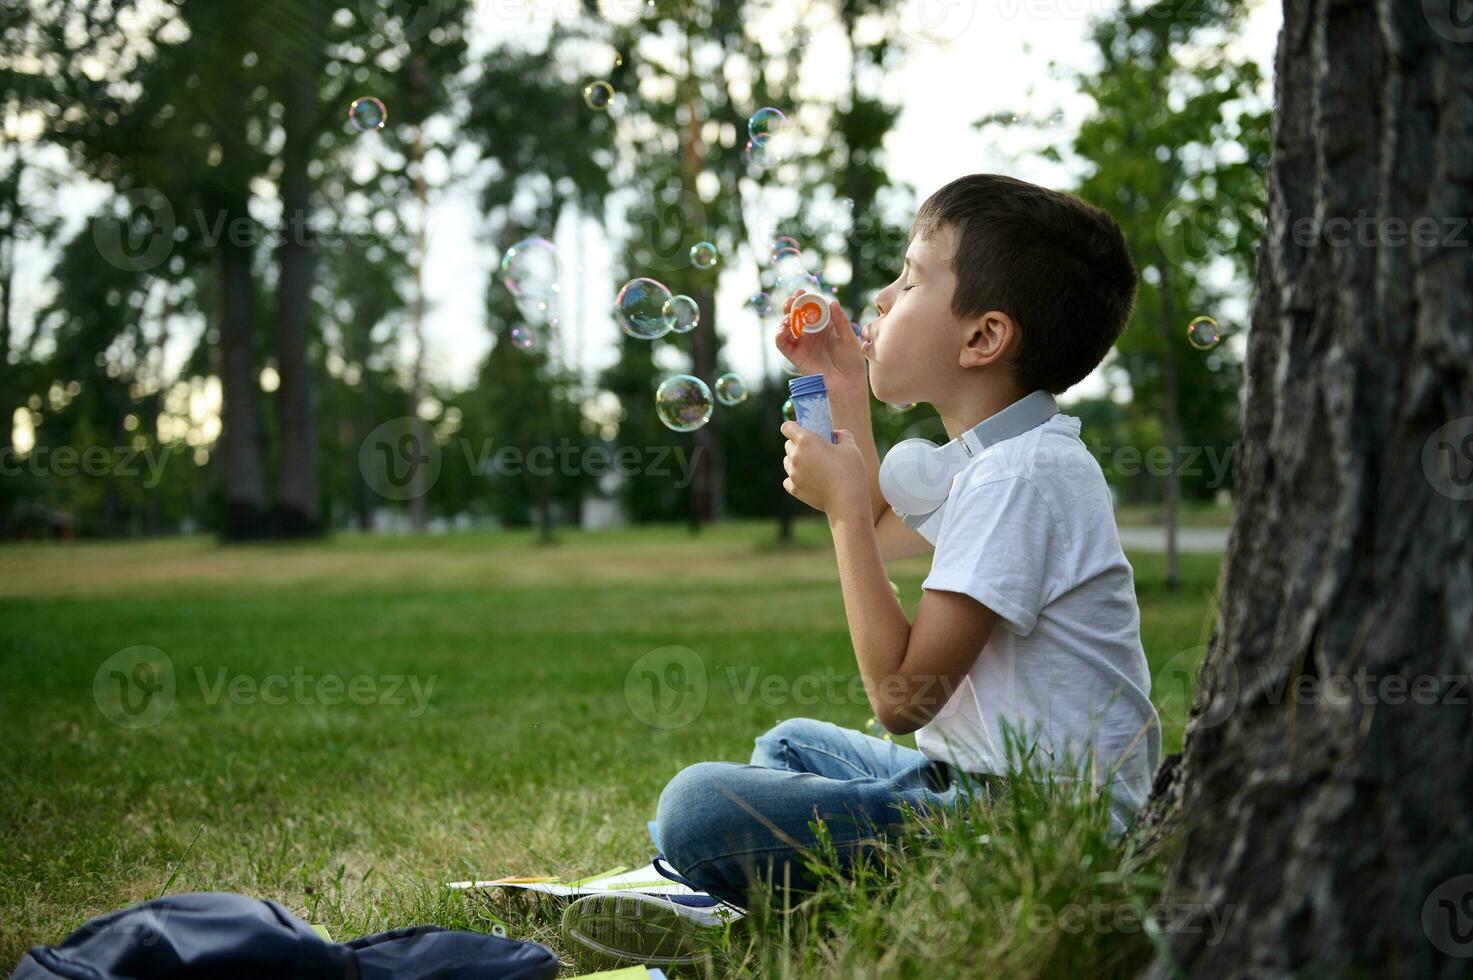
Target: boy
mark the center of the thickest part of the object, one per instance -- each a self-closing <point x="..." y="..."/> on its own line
<point x="1027" y="628"/>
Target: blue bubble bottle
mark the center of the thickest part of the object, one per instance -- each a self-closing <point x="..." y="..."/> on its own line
<point x="811" y="405"/>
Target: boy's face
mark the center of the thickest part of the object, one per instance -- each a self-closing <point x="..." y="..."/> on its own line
<point x="913" y="346"/>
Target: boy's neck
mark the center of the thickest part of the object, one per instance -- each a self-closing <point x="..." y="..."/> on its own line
<point x="978" y="402"/>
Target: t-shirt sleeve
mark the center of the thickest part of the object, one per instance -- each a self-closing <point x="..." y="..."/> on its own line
<point x="994" y="546"/>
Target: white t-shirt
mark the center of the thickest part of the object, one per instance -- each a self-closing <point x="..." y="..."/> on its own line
<point x="1029" y="531"/>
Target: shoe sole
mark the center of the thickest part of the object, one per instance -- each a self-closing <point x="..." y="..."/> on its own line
<point x="611" y="931"/>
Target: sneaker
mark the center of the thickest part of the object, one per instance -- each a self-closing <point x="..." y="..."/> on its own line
<point x="616" y="930"/>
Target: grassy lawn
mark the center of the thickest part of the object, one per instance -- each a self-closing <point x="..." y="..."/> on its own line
<point x="508" y="745"/>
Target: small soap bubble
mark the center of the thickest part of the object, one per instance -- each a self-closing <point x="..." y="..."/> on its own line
<point x="682" y="314"/>
<point x="761" y="304"/>
<point x="730" y="390"/>
<point x="789" y="412"/>
<point x="703" y="255"/>
<point x="1204" y="333"/>
<point x="522" y="338"/>
<point x="757" y="157"/>
<point x="530" y="269"/>
<point x="598" y="95"/>
<point x="788" y="267"/>
<point x="367" y="113"/>
<point x="765" y="124"/>
<point x="683" y="403"/>
<point x="640" y="309"/>
<point x="782" y="245"/>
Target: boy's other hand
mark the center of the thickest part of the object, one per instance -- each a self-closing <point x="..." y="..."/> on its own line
<point x="824" y="475"/>
<point x="833" y="352"/>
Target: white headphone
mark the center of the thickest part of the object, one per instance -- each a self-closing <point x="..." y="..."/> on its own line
<point x="916" y="474"/>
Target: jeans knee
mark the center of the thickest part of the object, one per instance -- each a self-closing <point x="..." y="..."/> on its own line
<point x="771" y="747"/>
<point x="685" y="812"/>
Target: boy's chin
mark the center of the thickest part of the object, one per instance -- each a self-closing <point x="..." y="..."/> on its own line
<point x="889" y="394"/>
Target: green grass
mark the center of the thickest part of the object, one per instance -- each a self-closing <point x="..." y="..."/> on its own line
<point x="527" y="756"/>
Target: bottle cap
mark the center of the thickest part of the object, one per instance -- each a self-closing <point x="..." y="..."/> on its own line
<point x="809" y="313"/>
<point x="809" y="384"/>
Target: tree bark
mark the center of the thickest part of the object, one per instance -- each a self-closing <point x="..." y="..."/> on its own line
<point x="246" y="504"/>
<point x="1321" y="800"/>
<point x="299" y="497"/>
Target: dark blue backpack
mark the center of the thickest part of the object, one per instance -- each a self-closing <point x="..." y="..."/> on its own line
<point x="213" y="935"/>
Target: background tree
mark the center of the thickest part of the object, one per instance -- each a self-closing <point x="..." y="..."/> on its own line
<point x="1183" y="175"/>
<point x="1320" y="799"/>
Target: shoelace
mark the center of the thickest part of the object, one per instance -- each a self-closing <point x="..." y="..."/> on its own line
<point x="701" y="900"/>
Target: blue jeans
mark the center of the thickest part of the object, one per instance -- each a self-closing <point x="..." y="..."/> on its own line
<point x="730" y="828"/>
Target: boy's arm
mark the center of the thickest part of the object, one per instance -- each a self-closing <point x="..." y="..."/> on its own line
<point x="835" y="354"/>
<point x="909" y="670"/>
<point x="850" y="410"/>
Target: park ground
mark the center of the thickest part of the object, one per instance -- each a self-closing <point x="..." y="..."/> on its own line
<point x="509" y="745"/>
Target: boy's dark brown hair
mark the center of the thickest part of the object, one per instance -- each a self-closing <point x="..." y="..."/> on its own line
<point x="1057" y="265"/>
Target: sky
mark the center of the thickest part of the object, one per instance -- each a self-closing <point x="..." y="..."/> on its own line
<point x="963" y="61"/>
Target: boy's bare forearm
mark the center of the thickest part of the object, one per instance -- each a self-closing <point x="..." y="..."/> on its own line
<point x="850" y="411"/>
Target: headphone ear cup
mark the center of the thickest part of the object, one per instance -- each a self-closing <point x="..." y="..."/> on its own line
<point x="916" y="476"/>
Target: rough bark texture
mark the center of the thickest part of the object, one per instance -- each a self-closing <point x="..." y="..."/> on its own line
<point x="242" y="453"/>
<point x="299" y="496"/>
<point x="1321" y="824"/>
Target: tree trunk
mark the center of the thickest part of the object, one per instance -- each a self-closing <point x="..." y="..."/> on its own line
<point x="243" y="464"/>
<point x="1321" y="800"/>
<point x="299" y="497"/>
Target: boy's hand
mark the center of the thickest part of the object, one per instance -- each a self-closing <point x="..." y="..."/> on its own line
<point x="833" y="352"/>
<point x="826" y="476"/>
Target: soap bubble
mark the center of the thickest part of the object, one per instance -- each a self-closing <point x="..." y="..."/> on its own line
<point x="1203" y="333"/>
<point x="800" y="283"/>
<point x="730" y="390"/>
<point x="703" y="255"/>
<point x="530" y="268"/>
<point x="789" y="412"/>
<point x="522" y="338"/>
<point x="640" y="309"/>
<point x="787" y="264"/>
<point x="598" y="95"/>
<point x="757" y="157"/>
<point x="367" y="113"/>
<point x="681" y="314"/>
<point x="683" y="403"/>
<point x="782" y="245"/>
<point x="761" y="304"/>
<point x="765" y="124"/>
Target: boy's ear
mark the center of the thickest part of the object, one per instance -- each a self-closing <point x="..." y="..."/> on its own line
<point x="989" y="338"/>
